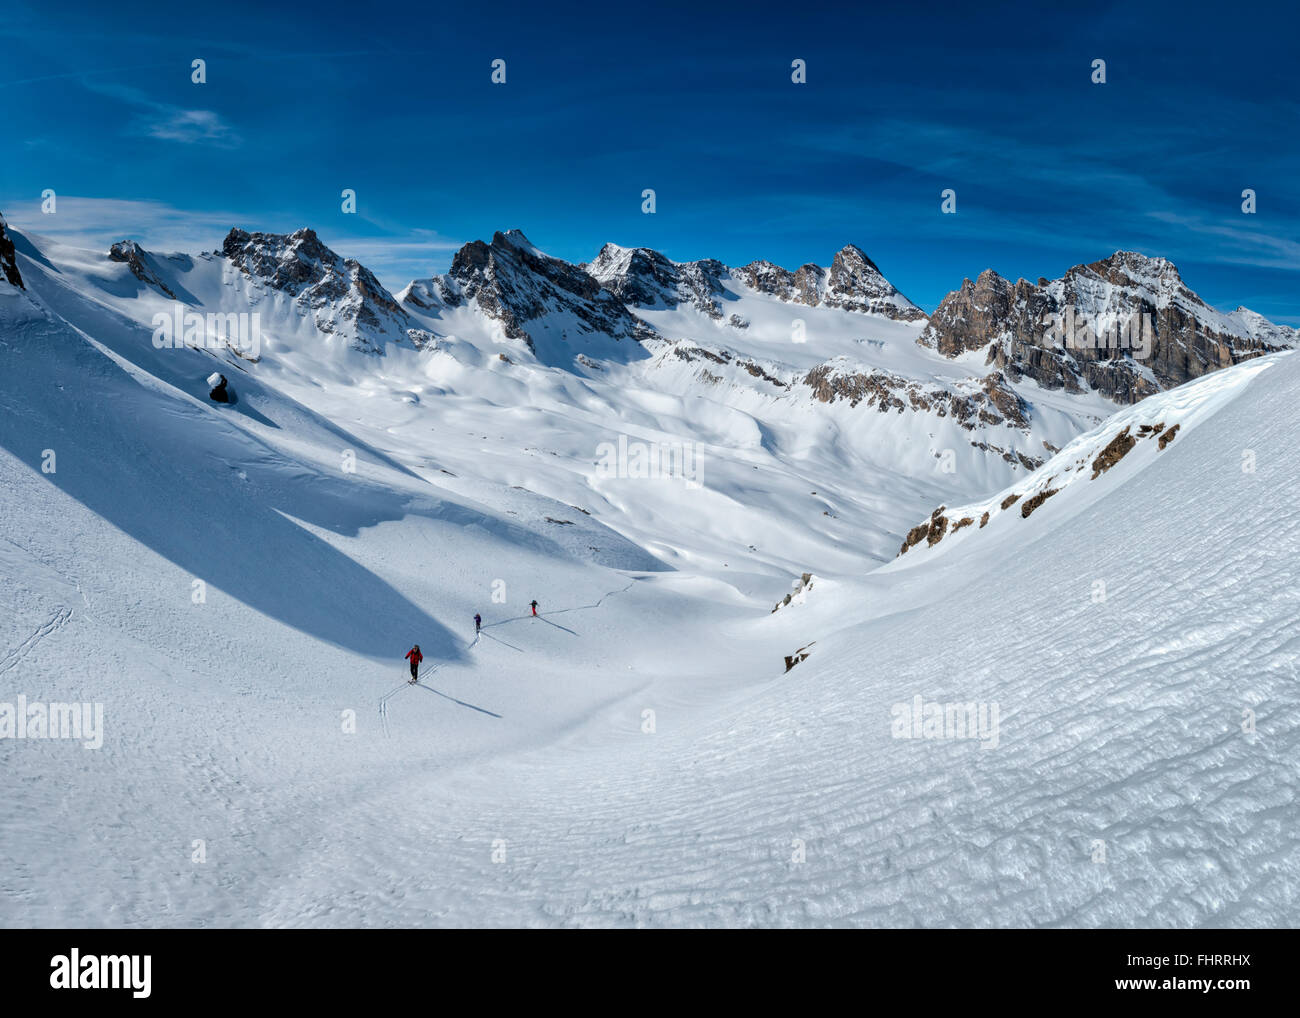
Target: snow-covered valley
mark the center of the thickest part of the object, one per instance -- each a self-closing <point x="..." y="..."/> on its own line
<point x="656" y="453"/>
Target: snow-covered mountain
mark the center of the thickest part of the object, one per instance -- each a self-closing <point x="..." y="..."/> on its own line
<point x="341" y="295"/>
<point x="646" y="279"/>
<point x="1020" y="330"/>
<point x="643" y="278"/>
<point x="754" y="335"/>
<point x="853" y="282"/>
<point x="549" y="304"/>
<point x="657" y="452"/>
<point x="833" y="378"/>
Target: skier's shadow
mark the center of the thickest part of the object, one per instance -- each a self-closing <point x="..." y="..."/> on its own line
<point x="557" y="611"/>
<point x="437" y="692"/>
<point x="521" y="618"/>
<point x="558" y="626"/>
<point x="502" y="622"/>
<point x="502" y="642"/>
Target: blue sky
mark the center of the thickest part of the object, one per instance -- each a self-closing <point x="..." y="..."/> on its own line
<point x="601" y="102"/>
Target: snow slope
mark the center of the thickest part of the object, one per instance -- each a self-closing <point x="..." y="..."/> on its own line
<point x="638" y="755"/>
<point x="1120" y="732"/>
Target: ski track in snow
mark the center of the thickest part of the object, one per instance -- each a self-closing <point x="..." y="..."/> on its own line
<point x="55" y="622"/>
<point x="384" y="700"/>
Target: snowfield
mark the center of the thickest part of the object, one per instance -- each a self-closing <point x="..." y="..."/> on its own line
<point x="236" y="585"/>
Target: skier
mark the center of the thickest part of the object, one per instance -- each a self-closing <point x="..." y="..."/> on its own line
<point x="478" y="623"/>
<point x="533" y="605"/>
<point x="415" y="657"/>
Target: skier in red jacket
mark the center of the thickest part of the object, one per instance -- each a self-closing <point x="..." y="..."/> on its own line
<point x="415" y="657"/>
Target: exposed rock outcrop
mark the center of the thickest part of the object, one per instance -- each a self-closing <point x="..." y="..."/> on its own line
<point x="1037" y="490"/>
<point x="8" y="260"/>
<point x="1030" y="504"/>
<point x="1116" y="449"/>
<point x="689" y="352"/>
<point x="798" y="656"/>
<point x="986" y="402"/>
<point x="220" y="392"/>
<point x="853" y="282"/>
<point x="931" y="532"/>
<point x="141" y="264"/>
<point x="341" y="294"/>
<point x="515" y="284"/>
<point x="798" y="592"/>
<point x="1087" y="329"/>
<point x="646" y="279"/>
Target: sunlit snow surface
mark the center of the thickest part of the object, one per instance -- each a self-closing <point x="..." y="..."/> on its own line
<point x="637" y="755"/>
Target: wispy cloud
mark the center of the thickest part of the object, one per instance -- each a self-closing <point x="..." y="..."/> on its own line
<point x="168" y="122"/>
<point x="96" y="223"/>
<point x="192" y="126"/>
<point x="75" y="75"/>
<point x="1032" y="189"/>
<point x="1237" y="245"/>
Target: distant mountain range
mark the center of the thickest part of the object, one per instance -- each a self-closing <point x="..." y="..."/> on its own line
<point x="984" y="363"/>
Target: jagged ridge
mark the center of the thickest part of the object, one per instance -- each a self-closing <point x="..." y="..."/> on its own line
<point x="341" y="294"/>
<point x="1015" y="323"/>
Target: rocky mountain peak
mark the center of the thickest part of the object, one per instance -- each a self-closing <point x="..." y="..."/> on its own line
<point x="516" y="239"/>
<point x="853" y="283"/>
<point x="851" y="266"/>
<point x="124" y="250"/>
<point x="343" y="296"/>
<point x="1126" y="326"/>
<point x="1134" y="266"/>
<point x="645" y="278"/>
<point x="283" y="261"/>
<point x="514" y="283"/>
